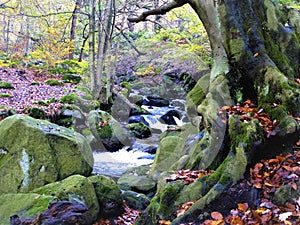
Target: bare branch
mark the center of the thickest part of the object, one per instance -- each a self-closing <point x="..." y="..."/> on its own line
<point x="158" y="11"/>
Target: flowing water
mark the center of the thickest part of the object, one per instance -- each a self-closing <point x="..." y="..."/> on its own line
<point x="115" y="163"/>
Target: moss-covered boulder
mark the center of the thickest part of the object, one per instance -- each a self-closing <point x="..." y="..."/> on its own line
<point x="74" y="188"/>
<point x="136" y="179"/>
<point x="36" y="152"/>
<point x="139" y="130"/>
<point x="108" y="195"/>
<point x="108" y="130"/>
<point x="165" y="156"/>
<point x="24" y="205"/>
<point x="136" y="200"/>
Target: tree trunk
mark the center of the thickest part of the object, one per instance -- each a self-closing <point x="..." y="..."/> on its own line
<point x="255" y="53"/>
<point x="73" y="28"/>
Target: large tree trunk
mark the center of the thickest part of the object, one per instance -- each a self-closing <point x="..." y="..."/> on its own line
<point x="256" y="52"/>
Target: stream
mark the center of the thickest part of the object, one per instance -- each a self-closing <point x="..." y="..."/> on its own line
<point x="114" y="164"/>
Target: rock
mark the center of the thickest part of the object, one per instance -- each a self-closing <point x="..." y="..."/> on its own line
<point x="36" y="113"/>
<point x="286" y="194"/>
<point x="165" y="156"/>
<point x="139" y="130"/>
<point x="25" y="205"/>
<point x="74" y="188"/>
<point x="168" y="117"/>
<point x="136" y="200"/>
<point x="36" y="152"/>
<point x="136" y="179"/>
<point x="108" y="195"/>
<point x="137" y="119"/>
<point x="153" y="101"/>
<point x="105" y="128"/>
<point x="62" y="213"/>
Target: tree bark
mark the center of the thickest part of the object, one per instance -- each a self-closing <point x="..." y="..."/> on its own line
<point x="73" y="27"/>
<point x="256" y="52"/>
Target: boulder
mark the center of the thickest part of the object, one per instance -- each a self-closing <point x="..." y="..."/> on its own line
<point x="168" y="118"/>
<point x="108" y="195"/>
<point x="74" y="188"/>
<point x="153" y="101"/>
<point x="165" y="156"/>
<point x="36" y="152"/>
<point x="61" y="212"/>
<point x="136" y="179"/>
<point x="137" y="201"/>
<point x="139" y="130"/>
<point x="24" y="205"/>
<point x="108" y="130"/>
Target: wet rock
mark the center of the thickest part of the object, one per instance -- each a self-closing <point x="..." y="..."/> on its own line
<point x="137" y="119"/>
<point x="108" y="130"/>
<point x="153" y="101"/>
<point x="168" y="118"/>
<point x="139" y="130"/>
<point x="62" y="213"/>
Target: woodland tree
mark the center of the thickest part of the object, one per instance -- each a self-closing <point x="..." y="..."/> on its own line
<point x="256" y="50"/>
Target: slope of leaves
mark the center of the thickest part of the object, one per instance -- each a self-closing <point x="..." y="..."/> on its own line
<point x="26" y="95"/>
<point x="267" y="176"/>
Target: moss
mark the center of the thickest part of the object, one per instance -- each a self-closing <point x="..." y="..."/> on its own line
<point x="70" y="78"/>
<point x="70" y="98"/>
<point x="53" y="82"/>
<point x="167" y="197"/>
<point x="276" y="55"/>
<point x="23" y="205"/>
<point x="5" y="95"/>
<point x="196" y="96"/>
<point x="36" y="113"/>
<point x="139" y="130"/>
<point x="108" y="195"/>
<point x="165" y="156"/>
<point x="35" y="83"/>
<point x="6" y="85"/>
<point x="75" y="187"/>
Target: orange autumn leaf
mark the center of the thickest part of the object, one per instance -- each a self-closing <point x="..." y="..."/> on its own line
<point x="243" y="207"/>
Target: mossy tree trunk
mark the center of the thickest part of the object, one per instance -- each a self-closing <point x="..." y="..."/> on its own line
<point x="256" y="56"/>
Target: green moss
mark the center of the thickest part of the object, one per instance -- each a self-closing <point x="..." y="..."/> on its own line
<point x="276" y="55"/>
<point x="23" y="205"/>
<point x="53" y="82"/>
<point x="35" y="83"/>
<point x="75" y="187"/>
<point x="139" y="130"/>
<point x="6" y="85"/>
<point x="36" y="113"/>
<point x="70" y="98"/>
<point x="2" y="95"/>
<point x="70" y="78"/>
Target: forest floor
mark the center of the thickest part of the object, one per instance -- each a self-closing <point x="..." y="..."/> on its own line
<point x="250" y="201"/>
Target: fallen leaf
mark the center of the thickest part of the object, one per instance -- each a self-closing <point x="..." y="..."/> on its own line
<point x="216" y="216"/>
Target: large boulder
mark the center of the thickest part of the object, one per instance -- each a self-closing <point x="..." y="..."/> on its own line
<point x="24" y="205"/>
<point x="74" y="188"/>
<point x="36" y="152"/>
<point x="108" y="130"/>
<point x="108" y="195"/>
<point x="61" y="212"/>
<point x="136" y="179"/>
